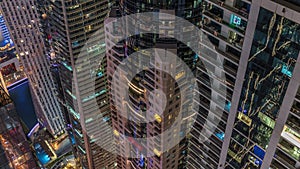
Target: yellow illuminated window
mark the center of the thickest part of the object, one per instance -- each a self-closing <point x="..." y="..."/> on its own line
<point x="179" y="75"/>
<point x="156" y="152"/>
<point x="157" y="118"/>
<point x="116" y="133"/>
<point x="244" y="118"/>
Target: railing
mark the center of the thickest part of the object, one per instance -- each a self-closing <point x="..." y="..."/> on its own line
<point x="220" y="20"/>
<point x="242" y="12"/>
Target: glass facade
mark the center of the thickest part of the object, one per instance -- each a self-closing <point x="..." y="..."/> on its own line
<point x="139" y="88"/>
<point x="24" y="28"/>
<point x="20" y="94"/>
<point x="225" y="26"/>
<point x="273" y="56"/>
<point x="5" y="41"/>
<point x="69" y="26"/>
<point x="255" y="80"/>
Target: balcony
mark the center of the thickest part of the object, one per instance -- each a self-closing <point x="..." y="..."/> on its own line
<point x="147" y="86"/>
<point x="298" y="94"/>
<point x="205" y="91"/>
<point x="240" y="10"/>
<point x="283" y="159"/>
<point x="276" y="163"/>
<point x="293" y="122"/>
<point x="149" y="81"/>
<point x="230" y="70"/>
<point x="296" y="108"/>
<point x="237" y="44"/>
<point x="228" y="55"/>
<point x="292" y="150"/>
<point x="218" y="19"/>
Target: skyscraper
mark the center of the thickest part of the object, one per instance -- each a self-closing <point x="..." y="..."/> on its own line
<point x="260" y="42"/>
<point x="67" y="27"/>
<point x="15" y="151"/>
<point x="151" y="109"/>
<point x="14" y="80"/>
<point x="225" y="25"/>
<point x="23" y="24"/>
<point x="264" y="128"/>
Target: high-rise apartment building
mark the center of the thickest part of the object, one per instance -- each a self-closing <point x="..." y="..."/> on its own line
<point x="157" y="106"/>
<point x="15" y="151"/>
<point x="264" y="118"/>
<point x="224" y="23"/>
<point x="258" y="129"/>
<point x="68" y="25"/>
<point x="258" y="42"/>
<point x="23" y="24"/>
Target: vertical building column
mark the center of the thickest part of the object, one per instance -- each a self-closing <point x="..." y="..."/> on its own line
<point x="255" y="6"/>
<point x="283" y="115"/>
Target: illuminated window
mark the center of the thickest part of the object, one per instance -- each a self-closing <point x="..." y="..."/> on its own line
<point x="244" y="118"/>
<point x="156" y="152"/>
<point x="285" y="70"/>
<point x="227" y="106"/>
<point x="157" y="118"/>
<point x="220" y="135"/>
<point x="259" y="152"/>
<point x="266" y="120"/>
<point x="235" y="20"/>
<point x="88" y="28"/>
<point x="116" y="133"/>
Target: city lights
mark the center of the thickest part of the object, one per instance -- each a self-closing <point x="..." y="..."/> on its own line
<point x="175" y="84"/>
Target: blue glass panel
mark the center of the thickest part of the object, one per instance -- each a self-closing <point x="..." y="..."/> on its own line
<point x="285" y="70"/>
<point x="259" y="152"/>
<point x="220" y="135"/>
